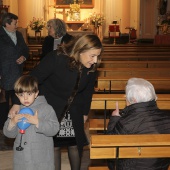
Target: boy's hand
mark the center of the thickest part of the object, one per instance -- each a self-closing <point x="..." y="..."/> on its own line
<point x="32" y="119"/>
<point x="13" y="111"/>
<point x="14" y="120"/>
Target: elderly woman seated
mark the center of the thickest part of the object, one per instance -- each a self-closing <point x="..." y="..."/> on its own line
<point x="140" y="116"/>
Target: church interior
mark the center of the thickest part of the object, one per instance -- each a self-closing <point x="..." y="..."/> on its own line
<point x="109" y="19"/>
<point x="136" y="42"/>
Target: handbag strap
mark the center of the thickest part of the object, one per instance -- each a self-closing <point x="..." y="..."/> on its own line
<point x="71" y="98"/>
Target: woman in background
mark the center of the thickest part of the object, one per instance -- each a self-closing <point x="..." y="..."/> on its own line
<point x="57" y="35"/>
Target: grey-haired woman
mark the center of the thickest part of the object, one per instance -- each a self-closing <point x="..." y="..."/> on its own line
<point x="140" y="116"/>
<point x="57" y="34"/>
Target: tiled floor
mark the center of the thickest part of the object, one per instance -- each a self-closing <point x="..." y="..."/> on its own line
<point x="6" y="154"/>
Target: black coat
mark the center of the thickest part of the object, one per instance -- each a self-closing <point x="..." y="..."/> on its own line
<point x="48" y="43"/>
<point x="141" y="118"/>
<point x="57" y="82"/>
<point x="10" y="71"/>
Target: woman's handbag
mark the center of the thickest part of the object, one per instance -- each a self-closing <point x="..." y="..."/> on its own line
<point x="65" y="118"/>
<point x="71" y="98"/>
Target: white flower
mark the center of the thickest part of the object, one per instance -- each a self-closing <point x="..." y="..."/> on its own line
<point x="37" y="24"/>
<point x="97" y="19"/>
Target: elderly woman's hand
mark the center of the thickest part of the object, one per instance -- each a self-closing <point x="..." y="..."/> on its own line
<point x="116" y="111"/>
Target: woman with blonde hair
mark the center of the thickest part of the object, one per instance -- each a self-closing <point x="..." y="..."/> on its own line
<point x="67" y="78"/>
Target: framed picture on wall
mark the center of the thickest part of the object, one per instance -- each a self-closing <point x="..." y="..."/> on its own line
<point x="66" y="3"/>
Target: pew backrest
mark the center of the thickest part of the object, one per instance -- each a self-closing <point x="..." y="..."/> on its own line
<point x="130" y="146"/>
<point x="134" y="72"/>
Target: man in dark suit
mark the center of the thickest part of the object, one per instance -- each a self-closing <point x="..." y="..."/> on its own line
<point x="13" y="53"/>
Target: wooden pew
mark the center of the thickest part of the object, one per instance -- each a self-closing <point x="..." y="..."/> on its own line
<point x="32" y="61"/>
<point x="118" y="83"/>
<point x="99" y="168"/>
<point x="135" y="46"/>
<point x="35" y="45"/>
<point x="35" y="48"/>
<point x="136" y="53"/>
<point x="136" y="49"/>
<point x="129" y="146"/>
<point x="135" y="64"/>
<point x="107" y="102"/>
<point x="120" y="57"/>
<point x="134" y="72"/>
<point x="143" y="54"/>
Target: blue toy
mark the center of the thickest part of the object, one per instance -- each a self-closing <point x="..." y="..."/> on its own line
<point x="23" y="125"/>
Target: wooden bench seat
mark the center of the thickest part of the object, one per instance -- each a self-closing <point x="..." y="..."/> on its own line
<point x="135" y="64"/>
<point x="145" y="46"/>
<point x="129" y="146"/>
<point x="106" y="49"/>
<point x="135" y="57"/>
<point x="97" y="124"/>
<point x="99" y="168"/>
<point x="135" y="48"/>
<point x="136" y="53"/>
<point x="134" y="72"/>
<point x="35" y="47"/>
<point x="107" y="102"/>
<point x="118" y="83"/>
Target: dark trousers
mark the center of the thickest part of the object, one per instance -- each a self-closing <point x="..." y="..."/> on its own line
<point x="5" y="106"/>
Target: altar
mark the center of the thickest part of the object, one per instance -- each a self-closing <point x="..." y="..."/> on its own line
<point x="74" y="25"/>
<point x="74" y="28"/>
<point x="79" y="33"/>
<point x="163" y="29"/>
<point x="162" y="39"/>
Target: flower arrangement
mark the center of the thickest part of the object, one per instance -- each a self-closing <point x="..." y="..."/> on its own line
<point x="37" y="24"/>
<point x="166" y="18"/>
<point x="97" y="19"/>
<point x="74" y="12"/>
<point x="74" y="8"/>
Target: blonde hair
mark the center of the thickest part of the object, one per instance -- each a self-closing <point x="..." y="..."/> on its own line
<point x="26" y="83"/>
<point x="79" y="45"/>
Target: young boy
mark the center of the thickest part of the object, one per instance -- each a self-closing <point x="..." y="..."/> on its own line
<point x="37" y="143"/>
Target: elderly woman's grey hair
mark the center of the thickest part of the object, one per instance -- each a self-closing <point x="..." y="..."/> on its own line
<point x="139" y="90"/>
<point x="59" y="27"/>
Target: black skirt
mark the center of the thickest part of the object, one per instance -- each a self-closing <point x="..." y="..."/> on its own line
<point x="65" y="141"/>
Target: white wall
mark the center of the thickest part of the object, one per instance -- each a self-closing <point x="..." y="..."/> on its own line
<point x="127" y="12"/>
